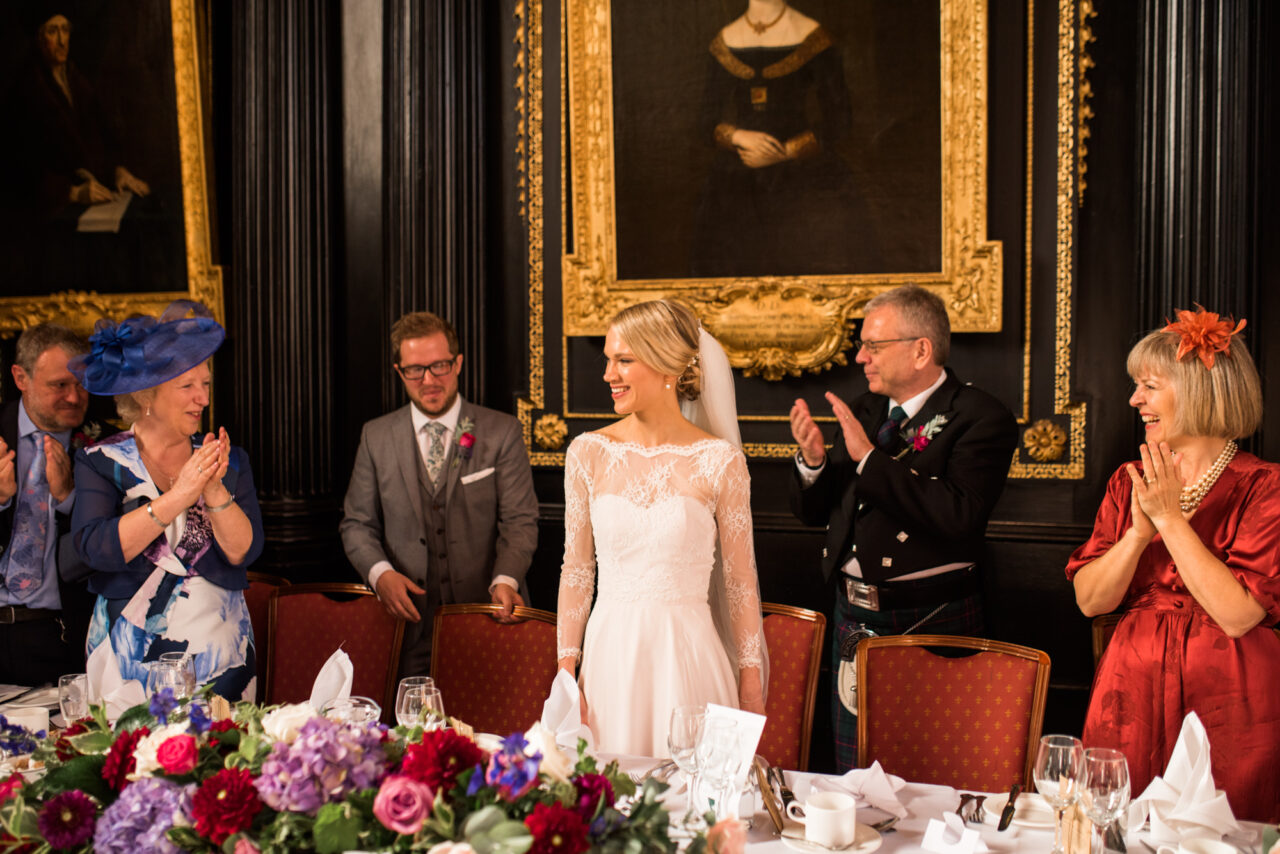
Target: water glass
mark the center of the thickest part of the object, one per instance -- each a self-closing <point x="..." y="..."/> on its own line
<point x="1105" y="791"/>
<point x="186" y="664"/>
<point x="411" y="695"/>
<point x="433" y="708"/>
<point x="352" y="710"/>
<point x="1059" y="772"/>
<point x="73" y="697"/>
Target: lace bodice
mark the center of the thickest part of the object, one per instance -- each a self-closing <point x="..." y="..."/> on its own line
<point x="646" y="522"/>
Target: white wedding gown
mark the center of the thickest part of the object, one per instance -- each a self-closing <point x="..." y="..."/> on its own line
<point x="647" y="522"/>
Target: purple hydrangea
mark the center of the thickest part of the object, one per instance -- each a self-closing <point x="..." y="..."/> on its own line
<point x="327" y="761"/>
<point x="141" y="816"/>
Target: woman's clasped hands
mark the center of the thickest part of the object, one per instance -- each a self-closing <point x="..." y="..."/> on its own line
<point x="201" y="475"/>
<point x="1157" y="489"/>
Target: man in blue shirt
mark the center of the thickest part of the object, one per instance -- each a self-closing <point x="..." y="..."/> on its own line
<point x="38" y="643"/>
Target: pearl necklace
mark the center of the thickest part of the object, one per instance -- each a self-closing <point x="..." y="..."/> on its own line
<point x="761" y="28"/>
<point x="1192" y="495"/>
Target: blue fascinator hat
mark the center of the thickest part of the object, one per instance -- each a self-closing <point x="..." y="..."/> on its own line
<point x="143" y="351"/>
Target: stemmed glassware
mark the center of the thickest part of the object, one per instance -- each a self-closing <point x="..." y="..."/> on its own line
<point x="167" y="674"/>
<point x="682" y="743"/>
<point x="1105" y="792"/>
<point x="433" y="708"/>
<point x="352" y="710"/>
<point x="186" y="665"/>
<point x="411" y="699"/>
<point x="1059" y="773"/>
<point x="719" y="757"/>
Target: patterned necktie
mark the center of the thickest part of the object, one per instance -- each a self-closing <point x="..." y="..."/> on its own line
<point x="24" y="560"/>
<point x="435" y="451"/>
<point x="887" y="435"/>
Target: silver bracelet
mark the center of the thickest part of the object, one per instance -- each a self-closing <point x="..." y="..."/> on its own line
<point x="154" y="517"/>
<point x="223" y="506"/>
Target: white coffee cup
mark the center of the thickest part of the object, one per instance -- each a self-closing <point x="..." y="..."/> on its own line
<point x="1200" y="846"/>
<point x="829" y="818"/>
<point x="34" y="718"/>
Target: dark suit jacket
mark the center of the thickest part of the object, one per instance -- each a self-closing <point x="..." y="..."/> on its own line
<point x="491" y="512"/>
<point x="77" y="601"/>
<point x="930" y="507"/>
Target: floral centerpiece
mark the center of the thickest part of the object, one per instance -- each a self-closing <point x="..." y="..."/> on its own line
<point x="165" y="777"/>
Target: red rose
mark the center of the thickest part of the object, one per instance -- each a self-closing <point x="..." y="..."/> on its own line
<point x="224" y="725"/>
<point x="556" y="830"/>
<point x="10" y="785"/>
<point x="225" y="804"/>
<point x="177" y="755"/>
<point x="120" y="759"/>
<point x="439" y="758"/>
<point x="466" y="440"/>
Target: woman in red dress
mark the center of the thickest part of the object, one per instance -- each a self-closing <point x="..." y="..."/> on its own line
<point x="1187" y="544"/>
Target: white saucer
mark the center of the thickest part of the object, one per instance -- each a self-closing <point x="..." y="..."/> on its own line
<point x="1032" y="810"/>
<point x="865" y="839"/>
<point x="487" y="741"/>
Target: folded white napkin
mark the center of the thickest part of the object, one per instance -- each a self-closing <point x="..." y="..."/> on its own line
<point x="1183" y="803"/>
<point x="562" y="714"/>
<point x="333" y="682"/>
<point x="872" y="787"/>
<point x="108" y="687"/>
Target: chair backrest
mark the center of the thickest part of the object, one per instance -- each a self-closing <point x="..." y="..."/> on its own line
<point x="971" y="722"/>
<point x="307" y="622"/>
<point x="257" y="597"/>
<point x="794" y="639"/>
<point x="494" y="676"/>
<point x="1103" y="628"/>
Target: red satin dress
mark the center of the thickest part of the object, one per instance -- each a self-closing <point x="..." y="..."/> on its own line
<point x="1168" y="657"/>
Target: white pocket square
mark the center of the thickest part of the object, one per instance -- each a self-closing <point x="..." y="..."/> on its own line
<point x="477" y="475"/>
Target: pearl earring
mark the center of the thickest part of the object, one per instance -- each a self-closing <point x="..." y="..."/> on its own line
<point x="148" y="410"/>
<point x="668" y="385"/>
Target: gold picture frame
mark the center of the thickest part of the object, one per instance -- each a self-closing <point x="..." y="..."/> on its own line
<point x="772" y="326"/>
<point x="79" y="309"/>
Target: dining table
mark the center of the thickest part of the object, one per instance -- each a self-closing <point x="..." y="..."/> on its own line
<point x="922" y="802"/>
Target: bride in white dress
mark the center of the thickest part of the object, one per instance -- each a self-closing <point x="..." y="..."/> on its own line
<point x="659" y="510"/>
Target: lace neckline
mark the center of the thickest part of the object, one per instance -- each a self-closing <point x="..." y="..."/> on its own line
<point x="665" y="447"/>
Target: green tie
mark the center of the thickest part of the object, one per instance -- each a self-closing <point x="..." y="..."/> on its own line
<point x="435" y="451"/>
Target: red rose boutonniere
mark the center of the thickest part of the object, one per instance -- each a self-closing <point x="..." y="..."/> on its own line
<point x="465" y="438"/>
<point x="89" y="433"/>
<point x="918" y="438"/>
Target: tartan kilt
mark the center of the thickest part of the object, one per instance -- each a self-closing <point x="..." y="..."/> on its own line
<point x="960" y="617"/>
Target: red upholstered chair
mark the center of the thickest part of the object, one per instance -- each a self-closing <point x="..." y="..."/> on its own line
<point x="794" y="638"/>
<point x="493" y="676"/>
<point x="256" y="597"/>
<point x="307" y="622"/>
<point x="970" y="723"/>
<point x="1103" y="628"/>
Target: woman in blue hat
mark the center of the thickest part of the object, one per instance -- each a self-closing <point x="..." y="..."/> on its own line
<point x="166" y="516"/>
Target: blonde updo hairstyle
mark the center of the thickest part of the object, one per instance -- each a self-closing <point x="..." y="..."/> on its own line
<point x="664" y="336"/>
<point x="1224" y="401"/>
<point x="131" y="404"/>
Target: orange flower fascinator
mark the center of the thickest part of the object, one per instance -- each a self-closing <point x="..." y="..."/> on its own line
<point x="1203" y="332"/>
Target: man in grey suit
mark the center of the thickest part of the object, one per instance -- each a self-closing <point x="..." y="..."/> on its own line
<point x="440" y="508"/>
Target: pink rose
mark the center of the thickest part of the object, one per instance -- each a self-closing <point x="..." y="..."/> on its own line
<point x="245" y="846"/>
<point x="403" y="804"/>
<point x="177" y="755"/>
<point x="921" y="441"/>
<point x="727" y="837"/>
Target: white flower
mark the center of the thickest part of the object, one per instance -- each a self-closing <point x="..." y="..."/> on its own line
<point x="554" y="763"/>
<point x="145" y="751"/>
<point x="283" y="723"/>
<point x="450" y="847"/>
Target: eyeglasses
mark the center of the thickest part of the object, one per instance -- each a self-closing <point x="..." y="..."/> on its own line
<point x="876" y="346"/>
<point x="414" y="373"/>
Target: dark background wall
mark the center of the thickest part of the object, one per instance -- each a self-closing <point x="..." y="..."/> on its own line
<point x="364" y="165"/>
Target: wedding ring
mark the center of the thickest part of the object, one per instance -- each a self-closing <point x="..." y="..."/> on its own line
<point x="200" y="470"/>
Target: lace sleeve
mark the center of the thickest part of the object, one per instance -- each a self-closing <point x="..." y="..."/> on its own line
<point x="737" y="549"/>
<point x="578" y="571"/>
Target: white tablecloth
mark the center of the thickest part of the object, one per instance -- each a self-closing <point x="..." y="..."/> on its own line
<point x="923" y="802"/>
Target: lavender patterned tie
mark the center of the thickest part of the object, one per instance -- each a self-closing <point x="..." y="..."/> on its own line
<point x="24" y="559"/>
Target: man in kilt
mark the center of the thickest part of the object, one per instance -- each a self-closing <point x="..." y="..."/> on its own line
<point x="912" y="476"/>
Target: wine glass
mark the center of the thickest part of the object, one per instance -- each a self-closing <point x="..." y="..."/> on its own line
<point x="719" y="757"/>
<point x="1059" y="766"/>
<point x="166" y="674"/>
<point x="1105" y="792"/>
<point x="186" y="664"/>
<point x="682" y="743"/>
<point x="410" y="696"/>
<point x="73" y="697"/>
<point x="433" y="708"/>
